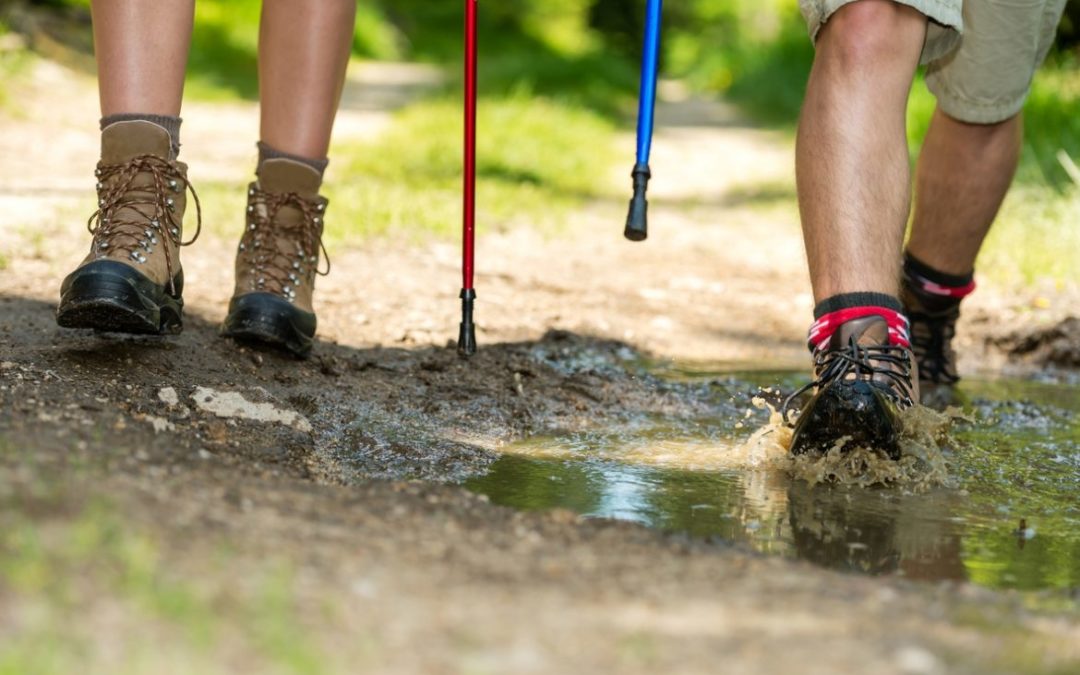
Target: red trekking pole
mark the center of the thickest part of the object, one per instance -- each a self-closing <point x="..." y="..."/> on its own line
<point x="467" y="334"/>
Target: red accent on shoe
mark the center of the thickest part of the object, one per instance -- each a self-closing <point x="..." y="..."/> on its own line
<point x="822" y="329"/>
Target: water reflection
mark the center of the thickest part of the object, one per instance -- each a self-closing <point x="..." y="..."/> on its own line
<point x="1020" y="462"/>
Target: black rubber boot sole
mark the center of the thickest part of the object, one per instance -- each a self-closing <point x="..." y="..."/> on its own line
<point x="109" y="296"/>
<point x="856" y="409"/>
<point x="269" y="319"/>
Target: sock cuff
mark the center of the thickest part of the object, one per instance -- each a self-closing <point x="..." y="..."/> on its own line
<point x="821" y="331"/>
<point x="267" y="151"/>
<point x="843" y="301"/>
<point x="168" y="122"/>
<point x="934" y="282"/>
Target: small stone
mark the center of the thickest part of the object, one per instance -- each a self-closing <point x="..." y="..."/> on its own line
<point x="168" y="396"/>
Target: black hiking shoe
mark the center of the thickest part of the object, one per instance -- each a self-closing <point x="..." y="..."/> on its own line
<point x="861" y="382"/>
<point x="933" y="327"/>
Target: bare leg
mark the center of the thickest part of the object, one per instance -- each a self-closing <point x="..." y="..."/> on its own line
<point x="142" y="50"/>
<point x="963" y="174"/>
<point x="851" y="154"/>
<point x="303" y="52"/>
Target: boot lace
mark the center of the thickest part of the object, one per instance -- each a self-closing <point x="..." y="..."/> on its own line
<point x="130" y="219"/>
<point x="272" y="269"/>
<point x="865" y="362"/>
<point x="931" y="340"/>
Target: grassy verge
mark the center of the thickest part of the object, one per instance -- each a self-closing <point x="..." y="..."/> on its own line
<point x="537" y="159"/>
<point x="86" y="590"/>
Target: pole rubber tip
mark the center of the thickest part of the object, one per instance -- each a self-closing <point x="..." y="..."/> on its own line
<point x="637" y="220"/>
<point x="466" y="343"/>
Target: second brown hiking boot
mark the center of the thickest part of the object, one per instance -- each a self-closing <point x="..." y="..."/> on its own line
<point x="278" y="258"/>
<point x="861" y="381"/>
<point x="131" y="281"/>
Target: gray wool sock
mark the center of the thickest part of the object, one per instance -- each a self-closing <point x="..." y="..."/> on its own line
<point x="167" y="122"/>
<point x="269" y="152"/>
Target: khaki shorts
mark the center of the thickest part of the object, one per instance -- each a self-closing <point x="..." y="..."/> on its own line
<point x="981" y="55"/>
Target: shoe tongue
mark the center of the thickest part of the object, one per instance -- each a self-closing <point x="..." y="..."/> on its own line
<point x="121" y="141"/>
<point x="287" y="175"/>
<point x="867" y="331"/>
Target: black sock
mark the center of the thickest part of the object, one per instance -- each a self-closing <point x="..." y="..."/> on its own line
<point x="269" y="152"/>
<point x="168" y="122"/>
<point x="914" y="267"/>
<point x="938" y="288"/>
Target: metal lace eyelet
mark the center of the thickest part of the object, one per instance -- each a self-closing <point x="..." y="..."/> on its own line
<point x="251" y="192"/>
<point x="242" y="246"/>
<point x="100" y="185"/>
<point x="251" y="208"/>
<point x="251" y="226"/>
<point x="101" y="202"/>
<point x="316" y="220"/>
<point x="174" y="186"/>
<point x="296" y="265"/>
<point x="320" y="207"/>
<point x="97" y="172"/>
<point x="103" y="245"/>
<point x="171" y="203"/>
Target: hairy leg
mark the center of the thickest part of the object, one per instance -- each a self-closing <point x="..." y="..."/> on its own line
<point x="852" y="163"/>
<point x="142" y="50"/>
<point x="303" y="52"/>
<point x="963" y="174"/>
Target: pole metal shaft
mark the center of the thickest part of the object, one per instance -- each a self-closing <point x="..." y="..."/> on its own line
<point x="466" y="344"/>
<point x="647" y="96"/>
<point x="469" y="224"/>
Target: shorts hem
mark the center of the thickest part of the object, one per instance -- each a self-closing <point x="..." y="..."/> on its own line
<point x="942" y="35"/>
<point x="971" y="111"/>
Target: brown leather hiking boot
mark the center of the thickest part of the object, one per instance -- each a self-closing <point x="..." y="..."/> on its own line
<point x="860" y="383"/>
<point x="278" y="258"/>
<point x="131" y="281"/>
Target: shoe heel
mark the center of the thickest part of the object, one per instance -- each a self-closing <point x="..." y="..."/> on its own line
<point x="111" y="297"/>
<point x="268" y="319"/>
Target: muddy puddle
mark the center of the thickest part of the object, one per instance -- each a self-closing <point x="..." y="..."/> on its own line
<point x="1007" y="515"/>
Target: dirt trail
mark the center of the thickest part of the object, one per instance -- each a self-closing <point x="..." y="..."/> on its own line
<point x="406" y="576"/>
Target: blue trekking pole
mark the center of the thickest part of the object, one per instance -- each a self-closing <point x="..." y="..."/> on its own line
<point x="637" y="227"/>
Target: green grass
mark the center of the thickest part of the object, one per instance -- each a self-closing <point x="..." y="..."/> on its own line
<point x="57" y="570"/>
<point x="538" y="158"/>
<point x="13" y="64"/>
